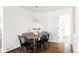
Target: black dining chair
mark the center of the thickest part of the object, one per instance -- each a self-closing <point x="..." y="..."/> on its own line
<point x="46" y="40"/>
<point x="40" y="43"/>
<point x="25" y="43"/>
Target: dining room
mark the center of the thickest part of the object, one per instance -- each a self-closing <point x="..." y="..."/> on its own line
<point x="36" y="29"/>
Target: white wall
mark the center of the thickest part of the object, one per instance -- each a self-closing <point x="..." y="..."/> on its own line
<point x="16" y="20"/>
<point x="75" y="38"/>
<point x="0" y="21"/>
<point x="49" y="22"/>
<point x="0" y="28"/>
<point x="77" y="19"/>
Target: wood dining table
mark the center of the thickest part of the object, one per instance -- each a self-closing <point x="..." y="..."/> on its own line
<point x="31" y="35"/>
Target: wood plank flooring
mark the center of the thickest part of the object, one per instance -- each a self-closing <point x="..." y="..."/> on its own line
<point x="0" y="44"/>
<point x="52" y="48"/>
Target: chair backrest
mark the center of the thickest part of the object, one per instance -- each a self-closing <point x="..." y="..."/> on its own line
<point x="47" y="36"/>
<point x="22" y="39"/>
<point x="43" y="37"/>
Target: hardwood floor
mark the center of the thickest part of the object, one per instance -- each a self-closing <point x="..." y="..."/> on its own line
<point x="52" y="48"/>
<point x="0" y="44"/>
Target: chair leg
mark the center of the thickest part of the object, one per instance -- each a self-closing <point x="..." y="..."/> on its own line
<point x="46" y="45"/>
<point x="26" y="49"/>
<point x="20" y="49"/>
<point x="42" y="47"/>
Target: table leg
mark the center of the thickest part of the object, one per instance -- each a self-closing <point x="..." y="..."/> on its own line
<point x="34" y="45"/>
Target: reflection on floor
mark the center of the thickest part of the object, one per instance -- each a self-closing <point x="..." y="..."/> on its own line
<point x="52" y="48"/>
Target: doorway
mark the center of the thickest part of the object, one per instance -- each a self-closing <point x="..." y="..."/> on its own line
<point x="64" y="29"/>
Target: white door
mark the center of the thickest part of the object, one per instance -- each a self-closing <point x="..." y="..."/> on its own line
<point x="64" y="28"/>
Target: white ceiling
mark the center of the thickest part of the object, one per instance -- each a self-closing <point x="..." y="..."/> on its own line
<point x="43" y="8"/>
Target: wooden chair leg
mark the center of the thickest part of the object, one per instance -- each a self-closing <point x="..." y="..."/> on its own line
<point x="26" y="49"/>
<point x="20" y="49"/>
<point x="46" y="46"/>
<point x="42" y="47"/>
